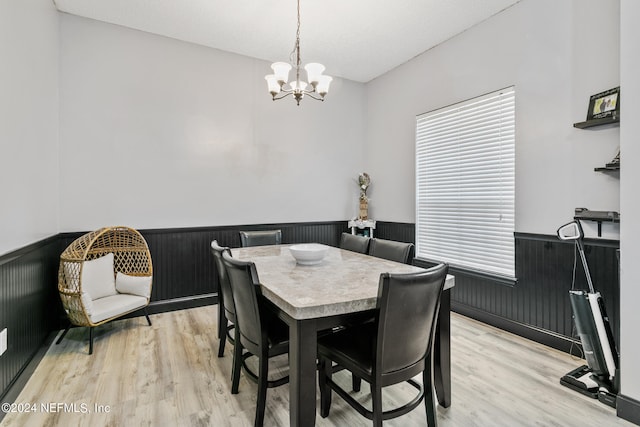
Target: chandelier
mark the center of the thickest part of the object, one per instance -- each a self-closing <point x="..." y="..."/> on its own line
<point x="280" y="86"/>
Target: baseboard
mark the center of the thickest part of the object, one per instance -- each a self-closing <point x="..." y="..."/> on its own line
<point x="174" y="304"/>
<point x="542" y="336"/>
<point x="628" y="409"/>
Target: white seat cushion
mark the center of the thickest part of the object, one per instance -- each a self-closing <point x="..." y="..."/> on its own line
<point x="87" y="302"/>
<point x="134" y="285"/>
<point x="97" y="278"/>
<point x="104" y="308"/>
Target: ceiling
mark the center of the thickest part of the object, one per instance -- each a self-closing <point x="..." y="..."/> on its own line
<point x="355" y="39"/>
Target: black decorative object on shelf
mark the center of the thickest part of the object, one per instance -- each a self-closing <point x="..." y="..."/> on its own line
<point x="604" y="109"/>
<point x="612" y="166"/>
<point x="615" y="163"/>
<point x="604" y="105"/>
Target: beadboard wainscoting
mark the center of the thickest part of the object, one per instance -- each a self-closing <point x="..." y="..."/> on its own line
<point x="535" y="307"/>
<point x="29" y="306"/>
<point x="183" y="277"/>
<point x="183" y="268"/>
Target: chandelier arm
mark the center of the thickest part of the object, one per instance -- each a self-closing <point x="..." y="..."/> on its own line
<point x="286" y="93"/>
<point x="311" y="95"/>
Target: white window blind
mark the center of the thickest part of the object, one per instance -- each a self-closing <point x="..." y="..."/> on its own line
<point x="465" y="175"/>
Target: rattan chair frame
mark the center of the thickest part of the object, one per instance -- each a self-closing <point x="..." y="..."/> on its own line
<point x="131" y="257"/>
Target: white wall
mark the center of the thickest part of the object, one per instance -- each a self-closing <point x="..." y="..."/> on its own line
<point x="546" y="49"/>
<point x="156" y="133"/>
<point x="28" y="122"/>
<point x="629" y="200"/>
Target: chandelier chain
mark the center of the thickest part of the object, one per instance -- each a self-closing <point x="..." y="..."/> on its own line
<point x="279" y="85"/>
<point x="296" y="48"/>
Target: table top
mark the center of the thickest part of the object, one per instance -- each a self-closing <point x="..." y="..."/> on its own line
<point x="344" y="282"/>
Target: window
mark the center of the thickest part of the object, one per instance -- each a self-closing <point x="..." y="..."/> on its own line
<point x="465" y="175"/>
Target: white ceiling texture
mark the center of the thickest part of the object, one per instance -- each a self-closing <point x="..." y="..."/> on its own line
<point x="355" y="39"/>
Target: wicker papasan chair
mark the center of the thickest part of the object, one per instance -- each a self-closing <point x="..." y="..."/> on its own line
<point x="104" y="275"/>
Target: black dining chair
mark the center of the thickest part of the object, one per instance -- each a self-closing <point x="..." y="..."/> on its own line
<point x="260" y="238"/>
<point x="258" y="329"/>
<point x="354" y="243"/>
<point x="226" y="309"/>
<point x="393" y="348"/>
<point x="391" y="250"/>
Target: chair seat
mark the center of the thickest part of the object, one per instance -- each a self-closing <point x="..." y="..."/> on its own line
<point x="278" y="342"/>
<point x="115" y="305"/>
<point x="277" y="331"/>
<point x="352" y="348"/>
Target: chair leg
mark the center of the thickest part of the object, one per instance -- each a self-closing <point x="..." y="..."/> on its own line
<point x="324" y="374"/>
<point x="237" y="362"/>
<point x="356" y="382"/>
<point x="147" y="316"/>
<point x="261" y="403"/>
<point x="90" y="339"/>
<point x="221" y="345"/>
<point x="376" y="403"/>
<point x="427" y="384"/>
<point x="63" y="334"/>
<point x="222" y="329"/>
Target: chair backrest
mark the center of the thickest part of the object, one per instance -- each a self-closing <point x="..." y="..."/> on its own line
<point x="354" y="243"/>
<point x="260" y="238"/>
<point x="223" y="280"/>
<point x="243" y="278"/>
<point x="391" y="250"/>
<point x="409" y="305"/>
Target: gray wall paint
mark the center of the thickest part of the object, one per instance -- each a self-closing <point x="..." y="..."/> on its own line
<point x="629" y="200"/>
<point x="28" y="122"/>
<point x="148" y="125"/>
<point x="546" y="49"/>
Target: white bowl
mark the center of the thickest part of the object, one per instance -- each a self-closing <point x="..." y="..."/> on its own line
<point x="309" y="253"/>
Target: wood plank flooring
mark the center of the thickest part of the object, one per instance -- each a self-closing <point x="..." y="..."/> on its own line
<point x="169" y="374"/>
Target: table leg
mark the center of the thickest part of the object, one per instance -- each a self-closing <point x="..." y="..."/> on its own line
<point x="302" y="372"/>
<point x="442" y="352"/>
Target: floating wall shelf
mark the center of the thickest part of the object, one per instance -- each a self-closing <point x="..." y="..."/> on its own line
<point x="597" y="122"/>
<point x="608" y="169"/>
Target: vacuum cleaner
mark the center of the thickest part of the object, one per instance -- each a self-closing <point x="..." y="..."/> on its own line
<point x="600" y="378"/>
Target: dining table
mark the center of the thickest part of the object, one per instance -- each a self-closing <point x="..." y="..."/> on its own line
<point x="313" y="298"/>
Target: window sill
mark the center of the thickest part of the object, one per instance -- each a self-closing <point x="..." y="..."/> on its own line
<point x="460" y="271"/>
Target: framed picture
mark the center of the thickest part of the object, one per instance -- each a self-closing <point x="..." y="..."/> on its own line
<point x="604" y="104"/>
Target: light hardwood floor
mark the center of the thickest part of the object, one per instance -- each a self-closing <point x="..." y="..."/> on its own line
<point x="169" y="375"/>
